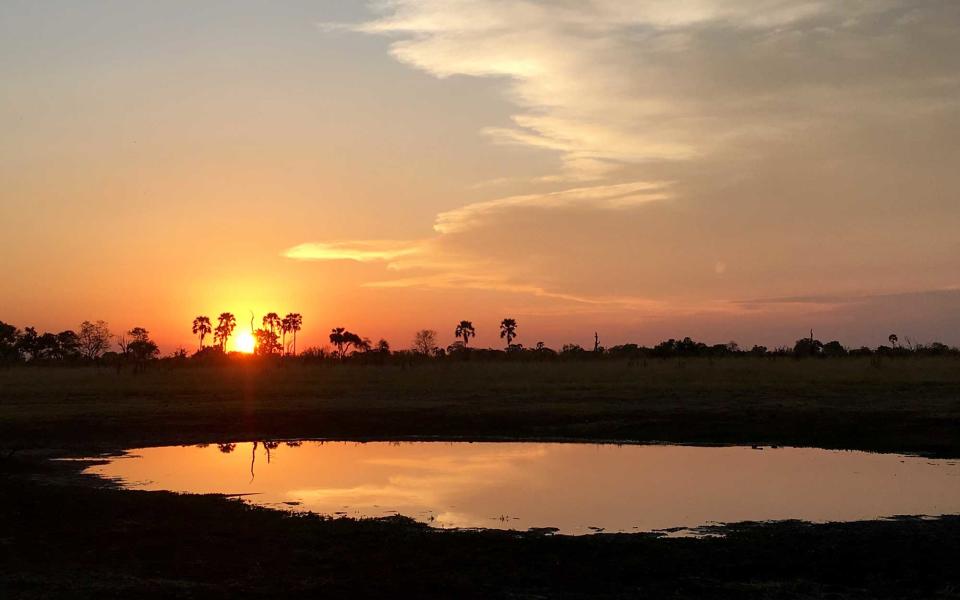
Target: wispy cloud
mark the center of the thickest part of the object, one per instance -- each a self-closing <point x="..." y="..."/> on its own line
<point x="709" y="150"/>
<point x="615" y="196"/>
<point x="608" y="82"/>
<point x="358" y="250"/>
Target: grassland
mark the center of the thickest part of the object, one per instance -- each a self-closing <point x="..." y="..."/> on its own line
<point x="894" y="404"/>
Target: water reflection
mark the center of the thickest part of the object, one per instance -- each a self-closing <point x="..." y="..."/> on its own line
<point x="576" y="488"/>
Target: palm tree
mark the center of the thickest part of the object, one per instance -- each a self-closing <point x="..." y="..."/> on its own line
<point x="292" y="324"/>
<point x="284" y="328"/>
<point x="202" y="328"/>
<point x="226" y="323"/>
<point x="508" y="329"/>
<point x="272" y="323"/>
<point x="466" y="331"/>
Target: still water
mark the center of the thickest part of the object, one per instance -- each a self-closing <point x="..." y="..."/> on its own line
<point x="576" y="488"/>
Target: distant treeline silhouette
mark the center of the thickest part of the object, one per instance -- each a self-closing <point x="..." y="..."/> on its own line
<point x="276" y="338"/>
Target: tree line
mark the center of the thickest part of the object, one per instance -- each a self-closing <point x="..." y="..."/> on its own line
<point x="93" y="342"/>
<point x="270" y="338"/>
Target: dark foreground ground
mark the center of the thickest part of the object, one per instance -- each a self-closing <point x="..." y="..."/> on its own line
<point x="62" y="536"/>
<point x="73" y="541"/>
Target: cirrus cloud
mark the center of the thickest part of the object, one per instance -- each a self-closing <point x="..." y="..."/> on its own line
<point x="791" y="137"/>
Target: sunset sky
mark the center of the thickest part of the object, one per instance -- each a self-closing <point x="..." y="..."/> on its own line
<point x="725" y="169"/>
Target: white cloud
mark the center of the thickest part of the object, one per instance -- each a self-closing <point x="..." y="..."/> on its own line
<point x="608" y="82"/>
<point x="614" y="196"/>
<point x="358" y="250"/>
<point x="790" y="136"/>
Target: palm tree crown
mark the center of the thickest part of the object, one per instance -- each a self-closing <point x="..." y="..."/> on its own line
<point x="226" y="323"/>
<point x="272" y="322"/>
<point x="292" y="324"/>
<point x="202" y="328"/>
<point x="466" y="331"/>
<point x="508" y="329"/>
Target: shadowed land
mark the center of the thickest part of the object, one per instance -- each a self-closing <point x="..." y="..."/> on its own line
<point x="908" y="404"/>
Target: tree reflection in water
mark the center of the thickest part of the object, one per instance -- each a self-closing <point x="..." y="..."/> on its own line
<point x="268" y="445"/>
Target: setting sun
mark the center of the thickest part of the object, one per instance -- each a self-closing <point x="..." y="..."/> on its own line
<point x="244" y="342"/>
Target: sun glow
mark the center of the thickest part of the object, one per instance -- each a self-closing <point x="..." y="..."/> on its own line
<point x="244" y="342"/>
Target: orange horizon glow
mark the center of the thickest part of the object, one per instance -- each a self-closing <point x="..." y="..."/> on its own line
<point x="413" y="166"/>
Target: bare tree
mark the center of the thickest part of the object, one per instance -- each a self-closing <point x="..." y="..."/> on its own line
<point x="425" y="342"/>
<point x="93" y="339"/>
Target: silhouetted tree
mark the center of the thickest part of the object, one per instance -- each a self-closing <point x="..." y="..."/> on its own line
<point x="45" y="347"/>
<point x="624" y="351"/>
<point x="542" y="350"/>
<point x="9" y="336"/>
<point x="338" y="340"/>
<point x="425" y="342"/>
<point x="268" y="337"/>
<point x="364" y="345"/>
<point x="27" y="344"/>
<point x="343" y="340"/>
<point x="266" y="342"/>
<point x="465" y="331"/>
<point x="141" y="348"/>
<point x="834" y="349"/>
<point x="383" y="347"/>
<point x="139" y="334"/>
<point x="893" y="339"/>
<point x="68" y="345"/>
<point x="508" y="330"/>
<point x="291" y="324"/>
<point x="93" y="339"/>
<point x="226" y="323"/>
<point x="202" y="328"/>
<point x="272" y="322"/>
<point x="807" y="347"/>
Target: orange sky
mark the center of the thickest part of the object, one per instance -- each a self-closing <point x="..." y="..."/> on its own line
<point x="740" y="171"/>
